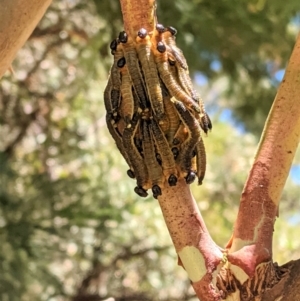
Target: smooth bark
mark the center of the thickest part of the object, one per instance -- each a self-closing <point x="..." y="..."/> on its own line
<point x="262" y="191"/>
<point x="18" y="18"/>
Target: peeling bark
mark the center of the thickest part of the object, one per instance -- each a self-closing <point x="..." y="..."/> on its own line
<point x="252" y="244"/>
<point x="288" y="288"/>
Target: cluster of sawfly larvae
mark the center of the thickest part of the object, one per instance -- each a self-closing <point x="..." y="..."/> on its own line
<point x="153" y="112"/>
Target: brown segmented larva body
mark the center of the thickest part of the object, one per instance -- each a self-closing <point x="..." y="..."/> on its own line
<point x="181" y="65"/>
<point x="187" y="148"/>
<point x="154" y="169"/>
<point x="167" y="158"/>
<point x="181" y="134"/>
<point x="205" y="122"/>
<point x="135" y="157"/>
<point x="173" y="119"/>
<point x="107" y="96"/>
<point x="185" y="82"/>
<point x="151" y="76"/>
<point x="194" y="164"/>
<point x="135" y="72"/>
<point x="201" y="161"/>
<point x="117" y="137"/>
<point x="176" y="52"/>
<point x="121" y="125"/>
<point x="127" y="101"/>
<point x="171" y="84"/>
<point x="116" y="78"/>
<point x="164" y="124"/>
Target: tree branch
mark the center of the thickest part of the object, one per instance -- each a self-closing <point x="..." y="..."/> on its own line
<point x="18" y="18"/>
<point x="252" y="238"/>
<point x="197" y="252"/>
<point x="138" y="14"/>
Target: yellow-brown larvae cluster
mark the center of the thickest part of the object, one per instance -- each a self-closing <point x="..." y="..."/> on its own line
<point x="153" y="112"/>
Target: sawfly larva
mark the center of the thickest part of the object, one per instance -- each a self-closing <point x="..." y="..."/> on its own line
<point x="200" y="161"/>
<point x="135" y="73"/>
<point x="187" y="148"/>
<point x="173" y="87"/>
<point x="107" y="97"/>
<point x="117" y="137"/>
<point x="205" y="122"/>
<point x="154" y="169"/>
<point x="167" y="158"/>
<point x="169" y="38"/>
<point x="127" y="104"/>
<point x="135" y="157"/>
<point x="173" y="119"/>
<point x="147" y="61"/>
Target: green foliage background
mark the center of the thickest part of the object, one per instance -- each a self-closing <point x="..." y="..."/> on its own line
<point x="71" y="227"/>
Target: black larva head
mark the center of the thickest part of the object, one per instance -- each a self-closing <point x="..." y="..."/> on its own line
<point x="123" y="37"/>
<point x="140" y="191"/>
<point x="209" y="123"/>
<point x="176" y="141"/>
<point x="190" y="178"/>
<point x="156" y="191"/>
<point x="142" y="33"/>
<point x="113" y="45"/>
<point x="172" y="63"/>
<point x="175" y="152"/>
<point x="172" y="180"/>
<point x="172" y="30"/>
<point x="130" y="174"/>
<point x="161" y="47"/>
<point x="121" y="62"/>
<point x="160" y="28"/>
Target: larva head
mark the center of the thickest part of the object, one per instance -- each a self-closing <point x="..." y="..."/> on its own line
<point x="121" y="62"/>
<point x="156" y="191"/>
<point x="176" y="141"/>
<point x="172" y="30"/>
<point x="172" y="180"/>
<point x="140" y="191"/>
<point x="175" y="152"/>
<point x="123" y="37"/>
<point x="160" y="28"/>
<point x="130" y="174"/>
<point x="190" y="178"/>
<point x="142" y="33"/>
<point x="171" y="62"/>
<point x="161" y="47"/>
<point x="113" y="45"/>
<point x="205" y="123"/>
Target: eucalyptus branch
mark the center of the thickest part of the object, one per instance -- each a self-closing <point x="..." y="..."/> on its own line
<point x="260" y="198"/>
<point x="17" y="21"/>
<point x="138" y="14"/>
